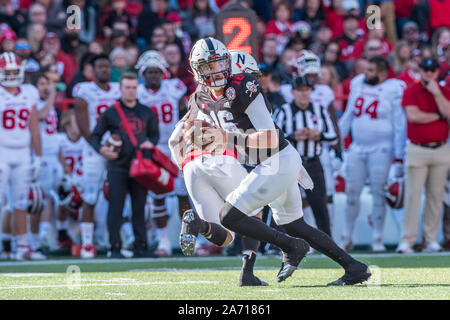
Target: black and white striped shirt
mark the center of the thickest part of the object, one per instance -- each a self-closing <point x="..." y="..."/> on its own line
<point x="291" y="118"/>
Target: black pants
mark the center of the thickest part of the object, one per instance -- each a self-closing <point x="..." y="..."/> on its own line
<point x="120" y="184"/>
<point x="317" y="197"/>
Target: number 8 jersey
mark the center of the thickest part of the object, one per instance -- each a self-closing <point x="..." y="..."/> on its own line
<point x="97" y="99"/>
<point x="15" y="113"/>
<point x="374" y="114"/>
<point x="164" y="103"/>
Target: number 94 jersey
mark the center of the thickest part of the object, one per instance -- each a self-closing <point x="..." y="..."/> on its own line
<point x="374" y="113"/>
<point x="97" y="99"/>
<point x="164" y="103"/>
<point x="15" y="113"/>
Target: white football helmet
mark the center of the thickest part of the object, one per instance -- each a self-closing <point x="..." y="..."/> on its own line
<point x="395" y="193"/>
<point x="208" y="58"/>
<point x="307" y="63"/>
<point x="36" y="199"/>
<point x="11" y="70"/>
<point x="151" y="58"/>
<point x="241" y="62"/>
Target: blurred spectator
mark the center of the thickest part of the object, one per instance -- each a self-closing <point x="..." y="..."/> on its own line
<point x="372" y="48"/>
<point x="116" y="14"/>
<point x="440" y="38"/>
<point x="324" y="35"/>
<point x="177" y="67"/>
<point x="411" y="73"/>
<point x="199" y="21"/>
<point x="151" y="16"/>
<point x="351" y="35"/>
<point x="23" y="50"/>
<point x="8" y="41"/>
<point x="118" y="40"/>
<point x="66" y="64"/>
<point x="56" y="15"/>
<point x="269" y="54"/>
<point x="119" y="64"/>
<point x="402" y="12"/>
<point x="446" y="220"/>
<point x="402" y="56"/>
<point x="84" y="73"/>
<point x="297" y="44"/>
<point x="377" y="33"/>
<point x="274" y="95"/>
<point x="284" y="68"/>
<point x="427" y="108"/>
<point x="132" y="56"/>
<point x="279" y="28"/>
<point x="95" y="47"/>
<point x="35" y="34"/>
<point x="444" y="61"/>
<point x="431" y="14"/>
<point x="337" y="14"/>
<point x="37" y="14"/>
<point x="332" y="55"/>
<point x="158" y="40"/>
<point x="14" y="18"/>
<point x="172" y="37"/>
<point x="410" y="33"/>
<point x="313" y="14"/>
<point x="329" y="76"/>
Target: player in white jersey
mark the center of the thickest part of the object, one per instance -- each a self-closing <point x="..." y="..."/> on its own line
<point x="91" y="99"/>
<point x="378" y="126"/>
<point x="51" y="169"/>
<point x="71" y="146"/>
<point x="166" y="98"/>
<point x="19" y="129"/>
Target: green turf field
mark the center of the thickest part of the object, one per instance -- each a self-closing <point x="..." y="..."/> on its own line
<point x="395" y="277"/>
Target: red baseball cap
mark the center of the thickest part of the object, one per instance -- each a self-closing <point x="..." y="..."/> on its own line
<point x="173" y="17"/>
<point x="51" y="36"/>
<point x="8" y="34"/>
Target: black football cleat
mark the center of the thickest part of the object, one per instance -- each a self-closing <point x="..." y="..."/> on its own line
<point x="292" y="258"/>
<point x="247" y="279"/>
<point x="356" y="273"/>
<point x="190" y="226"/>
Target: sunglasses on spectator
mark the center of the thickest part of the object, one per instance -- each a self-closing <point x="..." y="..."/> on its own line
<point x="373" y="48"/>
<point x="426" y="69"/>
<point x="332" y="51"/>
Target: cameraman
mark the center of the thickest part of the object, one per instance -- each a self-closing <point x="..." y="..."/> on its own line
<point x="144" y="125"/>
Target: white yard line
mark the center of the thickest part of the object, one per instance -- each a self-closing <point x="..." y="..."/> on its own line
<point x="74" y="286"/>
<point x="206" y="259"/>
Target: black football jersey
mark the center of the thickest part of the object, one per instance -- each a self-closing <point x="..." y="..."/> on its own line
<point x="231" y="112"/>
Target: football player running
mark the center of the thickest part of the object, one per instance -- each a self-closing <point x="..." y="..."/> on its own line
<point x="242" y="118"/>
<point x="167" y="100"/>
<point x="209" y="179"/>
<point x="378" y="126"/>
<point x="91" y="99"/>
<point x="19" y="132"/>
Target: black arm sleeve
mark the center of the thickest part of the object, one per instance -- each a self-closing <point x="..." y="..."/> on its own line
<point x="153" y="129"/>
<point x="99" y="130"/>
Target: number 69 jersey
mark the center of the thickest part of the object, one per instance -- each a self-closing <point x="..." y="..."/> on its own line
<point x="164" y="104"/>
<point x="97" y="99"/>
<point x="374" y="114"/>
<point x="15" y="113"/>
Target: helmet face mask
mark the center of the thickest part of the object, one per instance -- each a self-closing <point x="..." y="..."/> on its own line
<point x="215" y="72"/>
<point x="210" y="62"/>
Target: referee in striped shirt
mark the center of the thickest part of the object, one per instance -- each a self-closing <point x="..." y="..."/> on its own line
<point x="306" y="126"/>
